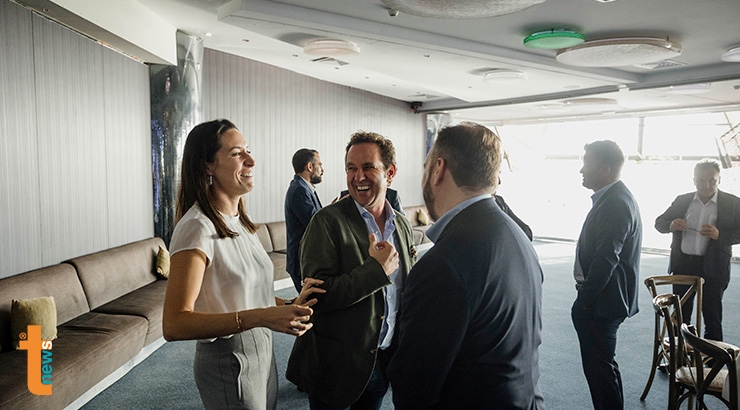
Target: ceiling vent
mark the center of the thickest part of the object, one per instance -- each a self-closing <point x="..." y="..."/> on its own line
<point x="660" y="64"/>
<point x="331" y="61"/>
<point x="424" y="96"/>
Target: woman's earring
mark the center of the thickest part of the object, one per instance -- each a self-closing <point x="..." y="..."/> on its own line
<point x="210" y="179"/>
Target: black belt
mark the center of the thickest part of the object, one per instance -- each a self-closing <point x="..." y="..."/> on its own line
<point x="692" y="257"/>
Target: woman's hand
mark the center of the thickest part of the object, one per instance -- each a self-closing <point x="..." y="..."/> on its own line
<point x="289" y="319"/>
<point x="310" y="286"/>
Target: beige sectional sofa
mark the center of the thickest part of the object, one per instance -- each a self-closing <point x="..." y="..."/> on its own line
<point x="273" y="238"/>
<point x="109" y="316"/>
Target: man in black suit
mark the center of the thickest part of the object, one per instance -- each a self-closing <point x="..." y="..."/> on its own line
<point x="470" y="317"/>
<point x="606" y="271"/>
<point x="301" y="202"/>
<point x="705" y="224"/>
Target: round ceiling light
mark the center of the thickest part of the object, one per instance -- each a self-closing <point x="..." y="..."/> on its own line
<point x="618" y="52"/>
<point x="326" y="47"/>
<point x="554" y="39"/>
<point x="503" y="76"/>
<point x="460" y="8"/>
<point x="732" y="55"/>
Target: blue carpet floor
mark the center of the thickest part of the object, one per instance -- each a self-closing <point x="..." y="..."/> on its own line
<point x="165" y="380"/>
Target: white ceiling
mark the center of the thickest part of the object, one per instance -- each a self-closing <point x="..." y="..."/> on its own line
<point x="439" y="62"/>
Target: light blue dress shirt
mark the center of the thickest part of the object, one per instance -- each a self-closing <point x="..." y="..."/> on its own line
<point x="391" y="292"/>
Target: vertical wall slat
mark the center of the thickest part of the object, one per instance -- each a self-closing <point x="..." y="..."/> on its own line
<point x="128" y="150"/>
<point x="71" y="133"/>
<point x="20" y="214"/>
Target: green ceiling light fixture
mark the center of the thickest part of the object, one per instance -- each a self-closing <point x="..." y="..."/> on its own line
<point x="554" y="39"/>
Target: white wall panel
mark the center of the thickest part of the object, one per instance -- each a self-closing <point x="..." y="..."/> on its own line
<point x="75" y="155"/>
<point x="279" y="111"/>
<point x="71" y="125"/>
<point x="20" y="227"/>
<point x="128" y="150"/>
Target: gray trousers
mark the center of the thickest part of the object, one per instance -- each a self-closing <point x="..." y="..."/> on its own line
<point x="238" y="372"/>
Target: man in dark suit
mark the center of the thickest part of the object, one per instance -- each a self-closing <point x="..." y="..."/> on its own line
<point x="363" y="250"/>
<point x="705" y="224"/>
<point x="606" y="271"/>
<point x="301" y="202"/>
<point x="507" y="210"/>
<point x="470" y="320"/>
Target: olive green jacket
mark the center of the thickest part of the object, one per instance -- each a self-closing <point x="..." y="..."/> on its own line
<point x="334" y="360"/>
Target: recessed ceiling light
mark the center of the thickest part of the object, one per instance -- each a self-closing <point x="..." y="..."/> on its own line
<point x="503" y="76"/>
<point x="618" y="52"/>
<point x="590" y="101"/>
<point x="460" y="8"/>
<point x="553" y="39"/>
<point x="732" y="55"/>
<point x="330" y="47"/>
<point x="689" y="89"/>
<point x="209" y="34"/>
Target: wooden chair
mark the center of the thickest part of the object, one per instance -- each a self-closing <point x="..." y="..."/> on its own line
<point x="700" y="380"/>
<point x="660" y="339"/>
<point x="668" y="308"/>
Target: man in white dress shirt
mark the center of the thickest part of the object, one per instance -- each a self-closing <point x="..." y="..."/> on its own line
<point x="705" y="224"/>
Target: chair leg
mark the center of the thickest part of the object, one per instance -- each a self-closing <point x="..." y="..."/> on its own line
<point x="657" y="357"/>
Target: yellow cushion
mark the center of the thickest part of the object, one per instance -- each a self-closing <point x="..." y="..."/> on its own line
<point x="37" y="311"/>
<point x="422" y="217"/>
<point x="163" y="263"/>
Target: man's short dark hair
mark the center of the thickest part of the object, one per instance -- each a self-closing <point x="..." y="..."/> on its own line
<point x="607" y="153"/>
<point x="302" y="157"/>
<point x="707" y="163"/>
<point x="387" y="151"/>
<point x="473" y="155"/>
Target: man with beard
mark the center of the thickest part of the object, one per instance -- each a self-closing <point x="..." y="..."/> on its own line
<point x="362" y="250"/>
<point x="470" y="319"/>
<point x="301" y="202"/>
<point x="606" y="270"/>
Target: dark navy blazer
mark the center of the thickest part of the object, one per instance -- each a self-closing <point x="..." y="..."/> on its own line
<point x="470" y="319"/>
<point x="300" y="205"/>
<point x="609" y="252"/>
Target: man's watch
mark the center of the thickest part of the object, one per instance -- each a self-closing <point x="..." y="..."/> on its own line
<point x="290" y="301"/>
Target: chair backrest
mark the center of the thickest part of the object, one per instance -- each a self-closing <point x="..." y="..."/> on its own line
<point x="722" y="355"/>
<point x="695" y="284"/>
<point x="668" y="307"/>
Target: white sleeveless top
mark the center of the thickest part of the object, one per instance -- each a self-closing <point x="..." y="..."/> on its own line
<point x="239" y="273"/>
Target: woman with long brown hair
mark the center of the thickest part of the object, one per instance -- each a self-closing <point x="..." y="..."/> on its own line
<point x="220" y="288"/>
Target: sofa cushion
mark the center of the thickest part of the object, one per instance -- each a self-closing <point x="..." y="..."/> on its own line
<point x="412" y="213"/>
<point x="278" y="235"/>
<point x="88" y="349"/>
<point x="163" y="262"/>
<point x="59" y="281"/>
<point x="112" y="273"/>
<point x="34" y="311"/>
<point x="264" y="234"/>
<point x="147" y="302"/>
<point x="422" y="217"/>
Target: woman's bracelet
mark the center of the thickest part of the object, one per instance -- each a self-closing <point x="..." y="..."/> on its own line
<point x="238" y="323"/>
